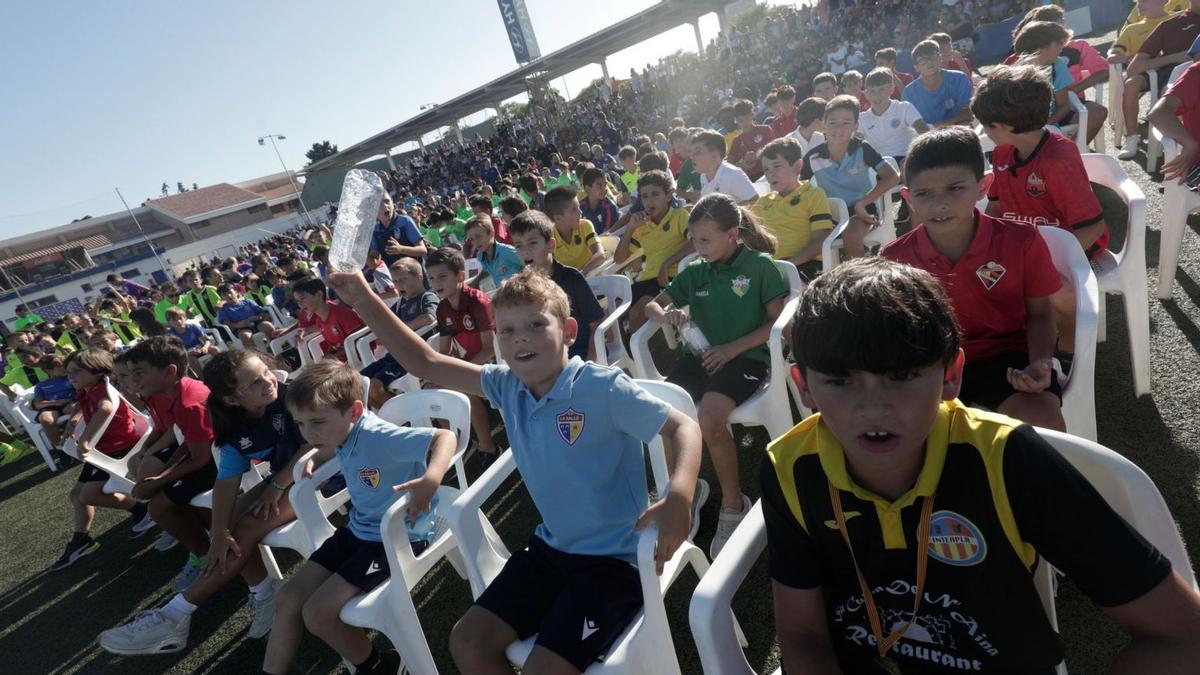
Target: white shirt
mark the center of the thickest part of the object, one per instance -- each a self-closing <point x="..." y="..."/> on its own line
<point x="731" y="181"/>
<point x="808" y="144"/>
<point x="890" y="132"/>
<point x="836" y="60"/>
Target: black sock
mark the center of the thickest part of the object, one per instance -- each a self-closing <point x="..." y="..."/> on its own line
<point x="138" y="511"/>
<point x="79" y="537"/>
<point x="371" y="664"/>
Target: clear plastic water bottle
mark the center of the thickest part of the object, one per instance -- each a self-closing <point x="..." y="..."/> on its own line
<point x="694" y="338"/>
<point x="362" y="191"/>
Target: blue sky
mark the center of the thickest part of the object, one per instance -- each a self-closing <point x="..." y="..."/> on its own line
<point x="129" y="94"/>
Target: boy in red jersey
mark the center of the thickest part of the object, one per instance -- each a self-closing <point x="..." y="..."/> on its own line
<point x="1039" y="177"/>
<point x="333" y="320"/>
<point x="998" y="275"/>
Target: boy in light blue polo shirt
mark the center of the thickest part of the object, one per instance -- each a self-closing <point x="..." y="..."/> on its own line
<point x="379" y="460"/>
<point x="499" y="261"/>
<point x="942" y="96"/>
<point x="576" y="430"/>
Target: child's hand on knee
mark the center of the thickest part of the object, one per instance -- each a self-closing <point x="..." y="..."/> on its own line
<point x="1033" y="379"/>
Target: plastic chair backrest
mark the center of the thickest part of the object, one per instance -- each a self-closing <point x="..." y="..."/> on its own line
<point x="423" y="407"/>
<point x="1106" y="170"/>
<point x="674" y="396"/>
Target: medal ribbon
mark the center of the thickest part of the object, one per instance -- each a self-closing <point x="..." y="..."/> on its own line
<point x="884" y="644"/>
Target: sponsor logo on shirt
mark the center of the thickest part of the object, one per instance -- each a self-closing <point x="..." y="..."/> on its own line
<point x="1035" y="186"/>
<point x="990" y="273"/>
<point x="955" y="540"/>
<point x="369" y="476"/>
<point x="570" y="425"/>
<point x="245" y="442"/>
<point x="740" y="285"/>
<point x="895" y="123"/>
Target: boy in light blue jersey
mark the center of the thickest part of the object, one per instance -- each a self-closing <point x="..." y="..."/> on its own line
<point x="379" y="460"/>
<point x="942" y="96"/>
<point x="576" y="431"/>
<point x="499" y="261"/>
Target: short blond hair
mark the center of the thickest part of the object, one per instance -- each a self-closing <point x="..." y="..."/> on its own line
<point x="529" y="287"/>
<point x="408" y="266"/>
<point x="325" y="384"/>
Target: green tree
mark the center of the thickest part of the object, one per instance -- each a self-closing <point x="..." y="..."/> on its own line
<point x="320" y="151"/>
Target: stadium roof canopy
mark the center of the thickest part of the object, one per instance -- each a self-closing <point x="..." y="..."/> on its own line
<point x="659" y="18"/>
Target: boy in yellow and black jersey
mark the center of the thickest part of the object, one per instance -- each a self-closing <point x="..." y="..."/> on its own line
<point x="904" y="528"/>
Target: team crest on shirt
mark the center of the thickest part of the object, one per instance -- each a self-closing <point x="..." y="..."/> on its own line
<point x="740" y="285"/>
<point x="990" y="273"/>
<point x="245" y="442"/>
<point x="570" y="425"/>
<point x="468" y="322"/>
<point x="369" y="476"/>
<point x="895" y="122"/>
<point x="955" y="540"/>
<point x="1035" y="186"/>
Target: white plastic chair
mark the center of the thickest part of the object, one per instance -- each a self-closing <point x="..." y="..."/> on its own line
<point x="312" y="349"/>
<point x="1124" y="273"/>
<point x="1116" y="96"/>
<point x="1123" y="485"/>
<point x="366" y="354"/>
<point x="768" y="407"/>
<point x="119" y="478"/>
<point x="1178" y="203"/>
<point x="1078" y="129"/>
<point x="831" y="248"/>
<point x="646" y="645"/>
<point x="353" y="355"/>
<point x="25" y="413"/>
<point x="1079" y="390"/>
<point x="615" y="292"/>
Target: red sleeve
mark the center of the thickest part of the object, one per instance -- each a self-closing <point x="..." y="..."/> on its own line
<point x="1074" y="200"/>
<point x="481" y="311"/>
<point x="194" y="422"/>
<point x="1187" y="90"/>
<point x="1041" y="277"/>
<point x="347" y="319"/>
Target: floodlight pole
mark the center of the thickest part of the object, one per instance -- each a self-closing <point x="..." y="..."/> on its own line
<point x="292" y="180"/>
<point x="146" y="239"/>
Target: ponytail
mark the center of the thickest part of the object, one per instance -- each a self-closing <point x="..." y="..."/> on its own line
<point x="753" y="234"/>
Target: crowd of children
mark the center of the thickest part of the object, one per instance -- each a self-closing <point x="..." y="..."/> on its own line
<point x="925" y="365"/>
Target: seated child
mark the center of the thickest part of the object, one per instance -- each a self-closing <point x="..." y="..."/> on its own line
<point x="499" y="260"/>
<point x="1177" y="115"/>
<point x="250" y="422"/>
<point x="628" y="174"/>
<point x="743" y="153"/>
<point x="1042" y="43"/>
<point x="87" y="370"/>
<point x="382" y="461"/>
<point x="841" y="166"/>
<point x="587" y="481"/>
<point x="796" y="213"/>
<point x="825" y="86"/>
<point x="998" y="275"/>
<point x="810" y="120"/>
<point x="717" y="174"/>
<point x="333" y="320"/>
<point x="574" y="237"/>
<point x="732" y="295"/>
<point x="935" y="572"/>
<point x="1039" y="177"/>
<point x="53" y="397"/>
<point x="202" y="299"/>
<point x="888" y="124"/>
<point x="417" y="309"/>
<point x="243" y="315"/>
<point x="597" y="207"/>
<point x="660" y="232"/>
<point x="194" y="339"/>
<point x="852" y="85"/>
<point x="536" y="242"/>
<point x="464" y="320"/>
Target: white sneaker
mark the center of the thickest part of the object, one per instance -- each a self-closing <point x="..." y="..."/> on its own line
<point x="727" y="522"/>
<point x="701" y="496"/>
<point x="263" y="607"/>
<point x="150" y="632"/>
<point x="165" y="542"/>
<point x="188" y="575"/>
<point x="1129" y="148"/>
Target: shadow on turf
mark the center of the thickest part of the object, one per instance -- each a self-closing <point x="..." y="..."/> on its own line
<point x="23" y="474"/>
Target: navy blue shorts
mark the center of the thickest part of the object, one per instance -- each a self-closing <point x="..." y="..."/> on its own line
<point x="578" y="605"/>
<point x="985" y="382"/>
<point x="362" y="563"/>
<point x="387" y="370"/>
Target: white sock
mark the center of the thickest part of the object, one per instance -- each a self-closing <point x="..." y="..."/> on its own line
<point x="261" y="587"/>
<point x="178" y="608"/>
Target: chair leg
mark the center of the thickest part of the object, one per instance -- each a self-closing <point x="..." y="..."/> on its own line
<point x="1174" y="223"/>
<point x="1102" y="319"/>
<point x="1137" y="317"/>
<point x="269" y="562"/>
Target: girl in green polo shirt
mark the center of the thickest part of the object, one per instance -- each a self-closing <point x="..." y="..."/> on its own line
<point x="733" y="294"/>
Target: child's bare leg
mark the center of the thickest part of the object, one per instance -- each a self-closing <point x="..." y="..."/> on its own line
<point x="83" y="514"/>
<point x="1062" y="304"/>
<point x="1134" y="88"/>
<point x="1097" y="114"/>
<point x="321" y="617"/>
<point x="481" y="425"/>
<point x="182" y="522"/>
<point x="92" y="494"/>
<point x="378" y="394"/>
<point x="852" y="237"/>
<point x="267" y="329"/>
<point x="478" y="641"/>
<point x="1042" y="409"/>
<point x="48" y="420"/>
<point x="288" y="628"/>
<point x="714" y="411"/>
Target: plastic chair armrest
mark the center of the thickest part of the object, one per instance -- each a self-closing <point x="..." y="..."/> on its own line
<point x="602" y="329"/>
<point x="639" y="344"/>
<point x="465" y="514"/>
